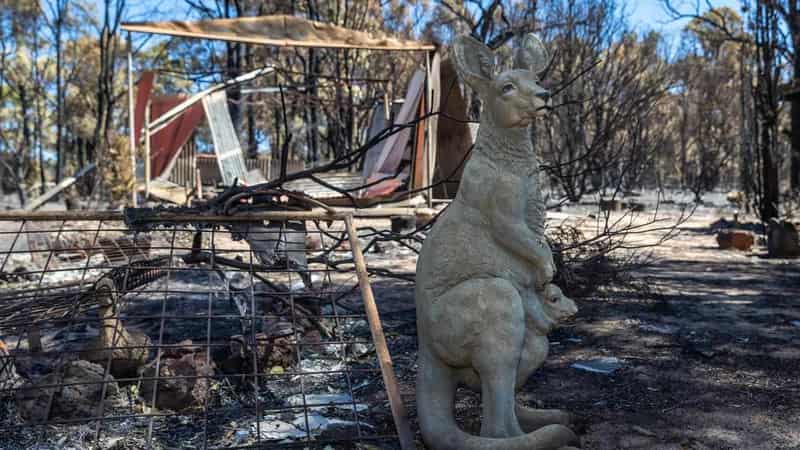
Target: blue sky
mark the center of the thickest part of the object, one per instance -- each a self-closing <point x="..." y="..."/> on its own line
<point x="644" y="14"/>
<point x="650" y="14"/>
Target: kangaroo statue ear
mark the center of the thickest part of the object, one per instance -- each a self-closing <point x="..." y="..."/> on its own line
<point x="474" y="62"/>
<point x="532" y="55"/>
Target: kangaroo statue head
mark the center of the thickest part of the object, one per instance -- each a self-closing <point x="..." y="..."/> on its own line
<point x="514" y="98"/>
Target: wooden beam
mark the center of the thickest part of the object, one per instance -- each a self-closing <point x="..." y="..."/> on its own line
<point x="168" y="191"/>
<point x="384" y="357"/>
<point x="168" y="216"/>
<point x="272" y="42"/>
<point x="40" y="216"/>
<point x="427" y="125"/>
<point x="37" y="203"/>
<point x="273" y="31"/>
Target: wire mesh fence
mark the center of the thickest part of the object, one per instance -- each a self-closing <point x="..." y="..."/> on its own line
<point x="253" y="334"/>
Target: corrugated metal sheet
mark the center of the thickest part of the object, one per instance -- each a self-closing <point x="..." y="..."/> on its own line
<point x="226" y="143"/>
<point x="342" y="180"/>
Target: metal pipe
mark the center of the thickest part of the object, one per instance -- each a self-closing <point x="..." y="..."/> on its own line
<point x="131" y="124"/>
<point x="147" y="150"/>
<point x="198" y="181"/>
<point x="165" y="119"/>
<point x="429" y="164"/>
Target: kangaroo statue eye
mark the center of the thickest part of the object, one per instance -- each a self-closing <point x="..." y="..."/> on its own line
<point x="508" y="87"/>
<point x="553" y="299"/>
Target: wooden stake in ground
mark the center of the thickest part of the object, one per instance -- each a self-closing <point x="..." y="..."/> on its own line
<point x="384" y="358"/>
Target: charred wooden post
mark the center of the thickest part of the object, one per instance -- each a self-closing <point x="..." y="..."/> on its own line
<point x="104" y="292"/>
<point x="34" y="339"/>
<point x="384" y="358"/>
<point x="120" y="350"/>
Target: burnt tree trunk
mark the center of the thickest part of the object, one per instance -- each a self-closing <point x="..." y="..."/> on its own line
<point x="793" y="20"/>
<point x="795" y="126"/>
<point x="769" y="204"/>
<point x="313" y="69"/>
<point x="313" y="113"/>
<point x="252" y="144"/>
<point x="766" y="35"/>
<point x="59" y="25"/>
<point x="233" y="66"/>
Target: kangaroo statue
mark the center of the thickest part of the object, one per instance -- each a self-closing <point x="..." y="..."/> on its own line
<point x="484" y="297"/>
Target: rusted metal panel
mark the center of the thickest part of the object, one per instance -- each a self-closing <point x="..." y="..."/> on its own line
<point x="166" y="144"/>
<point x="143" y="89"/>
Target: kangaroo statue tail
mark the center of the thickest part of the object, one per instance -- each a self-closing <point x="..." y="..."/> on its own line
<point x="436" y="388"/>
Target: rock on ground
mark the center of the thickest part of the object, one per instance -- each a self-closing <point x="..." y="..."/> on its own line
<point x="183" y="381"/>
<point x="77" y="390"/>
<point x="270" y="351"/>
<point x="782" y="240"/>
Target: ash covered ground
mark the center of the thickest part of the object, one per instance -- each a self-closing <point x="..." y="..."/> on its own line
<point x="706" y="345"/>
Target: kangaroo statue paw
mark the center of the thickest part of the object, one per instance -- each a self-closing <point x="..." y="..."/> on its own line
<point x="532" y="419"/>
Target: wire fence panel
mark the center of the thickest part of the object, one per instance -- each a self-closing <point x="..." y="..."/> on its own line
<point x="248" y="336"/>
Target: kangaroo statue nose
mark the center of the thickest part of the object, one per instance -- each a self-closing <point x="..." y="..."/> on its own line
<point x="544" y="95"/>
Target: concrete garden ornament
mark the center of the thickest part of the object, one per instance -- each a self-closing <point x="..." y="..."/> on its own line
<point x="485" y="301"/>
